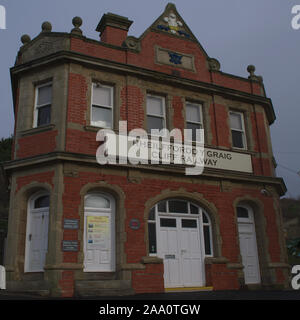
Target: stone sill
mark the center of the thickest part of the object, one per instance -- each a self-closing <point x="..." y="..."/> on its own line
<point x="36" y="130"/>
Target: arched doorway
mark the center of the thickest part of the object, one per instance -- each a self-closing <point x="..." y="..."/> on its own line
<point x="99" y="233"/>
<point x="248" y="244"/>
<point x="180" y="233"/>
<point x="37" y="232"/>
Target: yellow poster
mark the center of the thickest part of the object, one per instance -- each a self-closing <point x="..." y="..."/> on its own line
<point x="98" y="234"/>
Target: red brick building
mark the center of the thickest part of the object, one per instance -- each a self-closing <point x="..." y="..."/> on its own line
<point x="80" y="228"/>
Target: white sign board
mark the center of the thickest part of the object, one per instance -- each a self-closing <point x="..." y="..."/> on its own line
<point x="227" y="160"/>
<point x="165" y="152"/>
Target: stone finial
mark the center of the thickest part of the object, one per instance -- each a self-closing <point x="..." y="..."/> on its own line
<point x="77" y="23"/>
<point x="214" y="64"/>
<point x="252" y="76"/>
<point x="46" y="26"/>
<point x="251" y="70"/>
<point x="25" y="39"/>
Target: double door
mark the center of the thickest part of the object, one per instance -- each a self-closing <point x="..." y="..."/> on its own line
<point x="181" y="248"/>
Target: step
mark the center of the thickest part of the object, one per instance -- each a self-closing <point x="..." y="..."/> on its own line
<point x="37" y="287"/>
<point x="89" y="288"/>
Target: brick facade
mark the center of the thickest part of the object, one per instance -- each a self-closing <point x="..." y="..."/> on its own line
<point x="60" y="158"/>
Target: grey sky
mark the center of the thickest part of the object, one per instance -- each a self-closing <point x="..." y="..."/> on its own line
<point x="236" y="32"/>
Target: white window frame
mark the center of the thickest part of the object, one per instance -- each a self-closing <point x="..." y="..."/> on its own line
<point x="163" y="116"/>
<point x="243" y="130"/>
<point x="111" y="107"/>
<point x="199" y="105"/>
<point x="187" y="215"/>
<point x="36" y="107"/>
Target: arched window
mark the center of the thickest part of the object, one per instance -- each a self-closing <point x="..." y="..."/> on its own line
<point x="42" y="202"/>
<point x="99" y="233"/>
<point x="37" y="232"/>
<point x="97" y="201"/>
<point x="163" y="213"/>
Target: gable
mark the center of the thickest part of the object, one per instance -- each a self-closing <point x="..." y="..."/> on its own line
<point x="169" y="46"/>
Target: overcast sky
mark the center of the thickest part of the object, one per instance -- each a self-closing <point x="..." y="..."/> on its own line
<point x="236" y="32"/>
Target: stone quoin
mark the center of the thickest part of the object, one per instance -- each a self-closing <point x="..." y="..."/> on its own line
<point x="77" y="228"/>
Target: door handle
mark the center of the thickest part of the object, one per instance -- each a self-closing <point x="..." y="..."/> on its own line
<point x="183" y="251"/>
<point x="30" y="237"/>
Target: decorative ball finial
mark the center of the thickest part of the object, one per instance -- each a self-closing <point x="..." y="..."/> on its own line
<point x="25" y="39"/>
<point x="77" y="23"/>
<point x="252" y="76"/>
<point x="251" y="69"/>
<point x="46" y="26"/>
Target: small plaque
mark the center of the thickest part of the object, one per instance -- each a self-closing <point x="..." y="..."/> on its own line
<point x="71" y="224"/>
<point x="134" y="224"/>
<point x="170" y="256"/>
<point x="70" y="246"/>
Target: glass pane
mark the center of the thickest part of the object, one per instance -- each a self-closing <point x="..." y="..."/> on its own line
<point x="155" y="106"/>
<point x="236" y="121"/>
<point x="97" y="201"/>
<point x="152" y="214"/>
<point x="204" y="217"/>
<point x="237" y="139"/>
<point x="154" y="123"/>
<point x="206" y="231"/>
<point x="242" y="212"/>
<point x="162" y="206"/>
<point x="102" y="96"/>
<point x="193" y="127"/>
<point x="102" y="117"/>
<point x="193" y="112"/>
<point x="42" y="202"/>
<point x="165" y="222"/>
<point x="44" y="115"/>
<point x="187" y="223"/>
<point x="152" y="237"/>
<point x="44" y="95"/>
<point x="177" y="206"/>
<point x="194" y="209"/>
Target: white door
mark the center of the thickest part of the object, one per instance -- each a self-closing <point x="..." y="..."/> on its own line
<point x="169" y="251"/>
<point x="36" y="240"/>
<point x="191" y="253"/>
<point x="99" y="234"/>
<point x="2" y="278"/>
<point x="180" y="248"/>
<point x="248" y="245"/>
